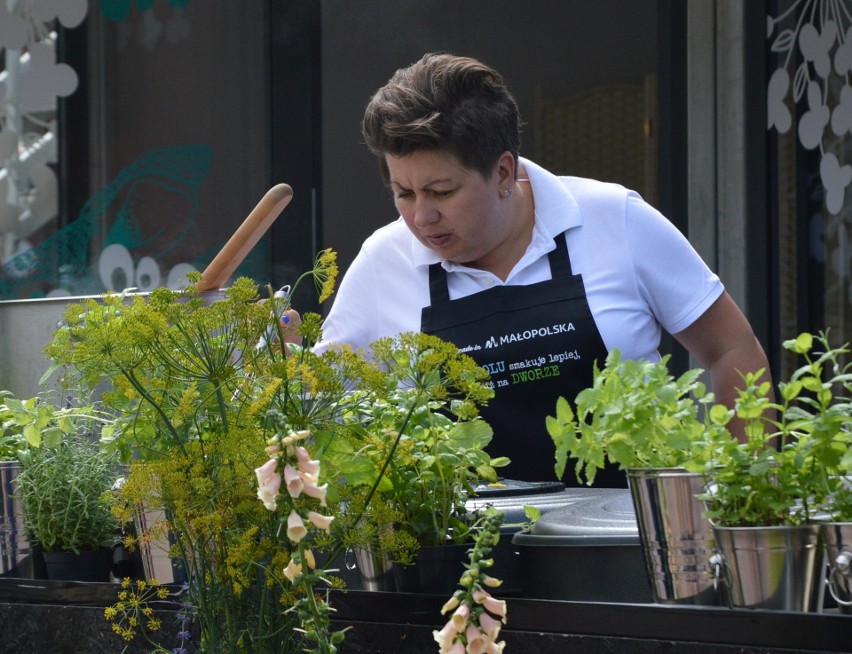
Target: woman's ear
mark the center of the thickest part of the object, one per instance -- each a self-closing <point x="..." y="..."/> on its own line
<point x="505" y="170"/>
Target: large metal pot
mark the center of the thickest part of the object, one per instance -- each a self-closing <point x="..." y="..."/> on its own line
<point x="588" y="550"/>
<point x="511" y="496"/>
<point x="374" y="571"/>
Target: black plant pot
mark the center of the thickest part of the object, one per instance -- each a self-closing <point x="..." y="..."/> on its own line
<point x="89" y="565"/>
<point x="436" y="570"/>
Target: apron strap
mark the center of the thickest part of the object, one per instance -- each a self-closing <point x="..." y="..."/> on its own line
<point x="560" y="261"/>
<point x="560" y="266"/>
<point x="439" y="291"/>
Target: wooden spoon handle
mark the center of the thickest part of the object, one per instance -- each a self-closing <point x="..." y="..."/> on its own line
<point x="245" y="238"/>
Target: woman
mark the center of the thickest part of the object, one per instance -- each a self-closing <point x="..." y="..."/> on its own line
<point x="535" y="276"/>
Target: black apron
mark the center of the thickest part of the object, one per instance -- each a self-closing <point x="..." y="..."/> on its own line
<point x="538" y="342"/>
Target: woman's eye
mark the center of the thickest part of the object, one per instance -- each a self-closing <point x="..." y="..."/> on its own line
<point x="442" y="194"/>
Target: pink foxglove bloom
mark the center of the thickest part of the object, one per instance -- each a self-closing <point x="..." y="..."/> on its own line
<point x="296" y="529"/>
<point x="320" y="521"/>
<point x="317" y="492"/>
<point x="495" y="606"/>
<point x="492" y="582"/>
<point x="293" y="481"/>
<point x="457" y="648"/>
<point x="310" y="560"/>
<point x="489" y="626"/>
<point x="273" y="446"/>
<point x="496" y="648"/>
<point x="292" y="571"/>
<point x="451" y="604"/>
<point x="310" y="470"/>
<point x="477" y="643"/>
<point x="268" y="483"/>
<point x="302" y="454"/>
<point x="460" y="617"/>
<point x="445" y="637"/>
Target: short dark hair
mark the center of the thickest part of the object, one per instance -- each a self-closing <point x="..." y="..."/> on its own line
<point x="444" y="102"/>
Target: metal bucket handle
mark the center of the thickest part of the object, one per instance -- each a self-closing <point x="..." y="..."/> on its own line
<point x="349" y="559"/>
<point x="721" y="573"/>
<point x="842" y="567"/>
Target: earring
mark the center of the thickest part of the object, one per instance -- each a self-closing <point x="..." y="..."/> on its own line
<point x="507" y="192"/>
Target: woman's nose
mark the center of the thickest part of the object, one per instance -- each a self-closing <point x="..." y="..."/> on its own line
<point x="424" y="212"/>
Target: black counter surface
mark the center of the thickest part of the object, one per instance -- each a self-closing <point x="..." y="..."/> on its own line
<point x="59" y="617"/>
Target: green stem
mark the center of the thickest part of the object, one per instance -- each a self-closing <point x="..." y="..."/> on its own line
<point x="339" y="548"/>
<point x="320" y="620"/>
<point x="141" y="390"/>
<point x="223" y="408"/>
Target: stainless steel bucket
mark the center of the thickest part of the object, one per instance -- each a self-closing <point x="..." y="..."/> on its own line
<point x="837" y="537"/>
<point x="677" y="540"/>
<point x="15" y="553"/>
<point x="375" y="569"/>
<point x="775" y="568"/>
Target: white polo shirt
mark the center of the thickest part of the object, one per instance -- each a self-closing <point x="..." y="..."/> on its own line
<point x="639" y="271"/>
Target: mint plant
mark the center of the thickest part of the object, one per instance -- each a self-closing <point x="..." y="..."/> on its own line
<point x="637" y="414"/>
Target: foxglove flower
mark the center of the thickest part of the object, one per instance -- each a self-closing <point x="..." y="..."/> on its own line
<point x="296" y="529"/>
<point x="309" y="470"/>
<point x="495" y="606"/>
<point x="451" y="604"/>
<point x="460" y="617"/>
<point x="477" y="643"/>
<point x="489" y="626"/>
<point x="293" y="481"/>
<point x="445" y="637"/>
<point x="310" y="560"/>
<point x="292" y="570"/>
<point x="273" y="444"/>
<point x="268" y="483"/>
<point x="317" y="492"/>
<point x="491" y="582"/>
<point x="320" y="521"/>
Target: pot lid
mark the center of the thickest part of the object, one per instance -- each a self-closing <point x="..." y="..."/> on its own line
<point x="605" y="512"/>
<point x="515" y="487"/>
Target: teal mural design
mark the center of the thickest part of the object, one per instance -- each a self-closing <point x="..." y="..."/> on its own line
<point x="117" y="10"/>
<point x="161" y="183"/>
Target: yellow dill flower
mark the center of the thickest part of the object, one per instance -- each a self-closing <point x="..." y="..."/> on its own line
<point x="110" y="613"/>
<point x="325" y="273"/>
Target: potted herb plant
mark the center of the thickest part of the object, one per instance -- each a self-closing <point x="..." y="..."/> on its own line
<point x="413" y="454"/>
<point x="15" y="554"/>
<point x="663" y="431"/>
<point x="837" y="537"/>
<point x="65" y="490"/>
<point x="199" y="386"/>
<point x="772" y="492"/>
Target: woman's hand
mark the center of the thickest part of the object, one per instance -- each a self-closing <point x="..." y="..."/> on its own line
<point x="290" y="321"/>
